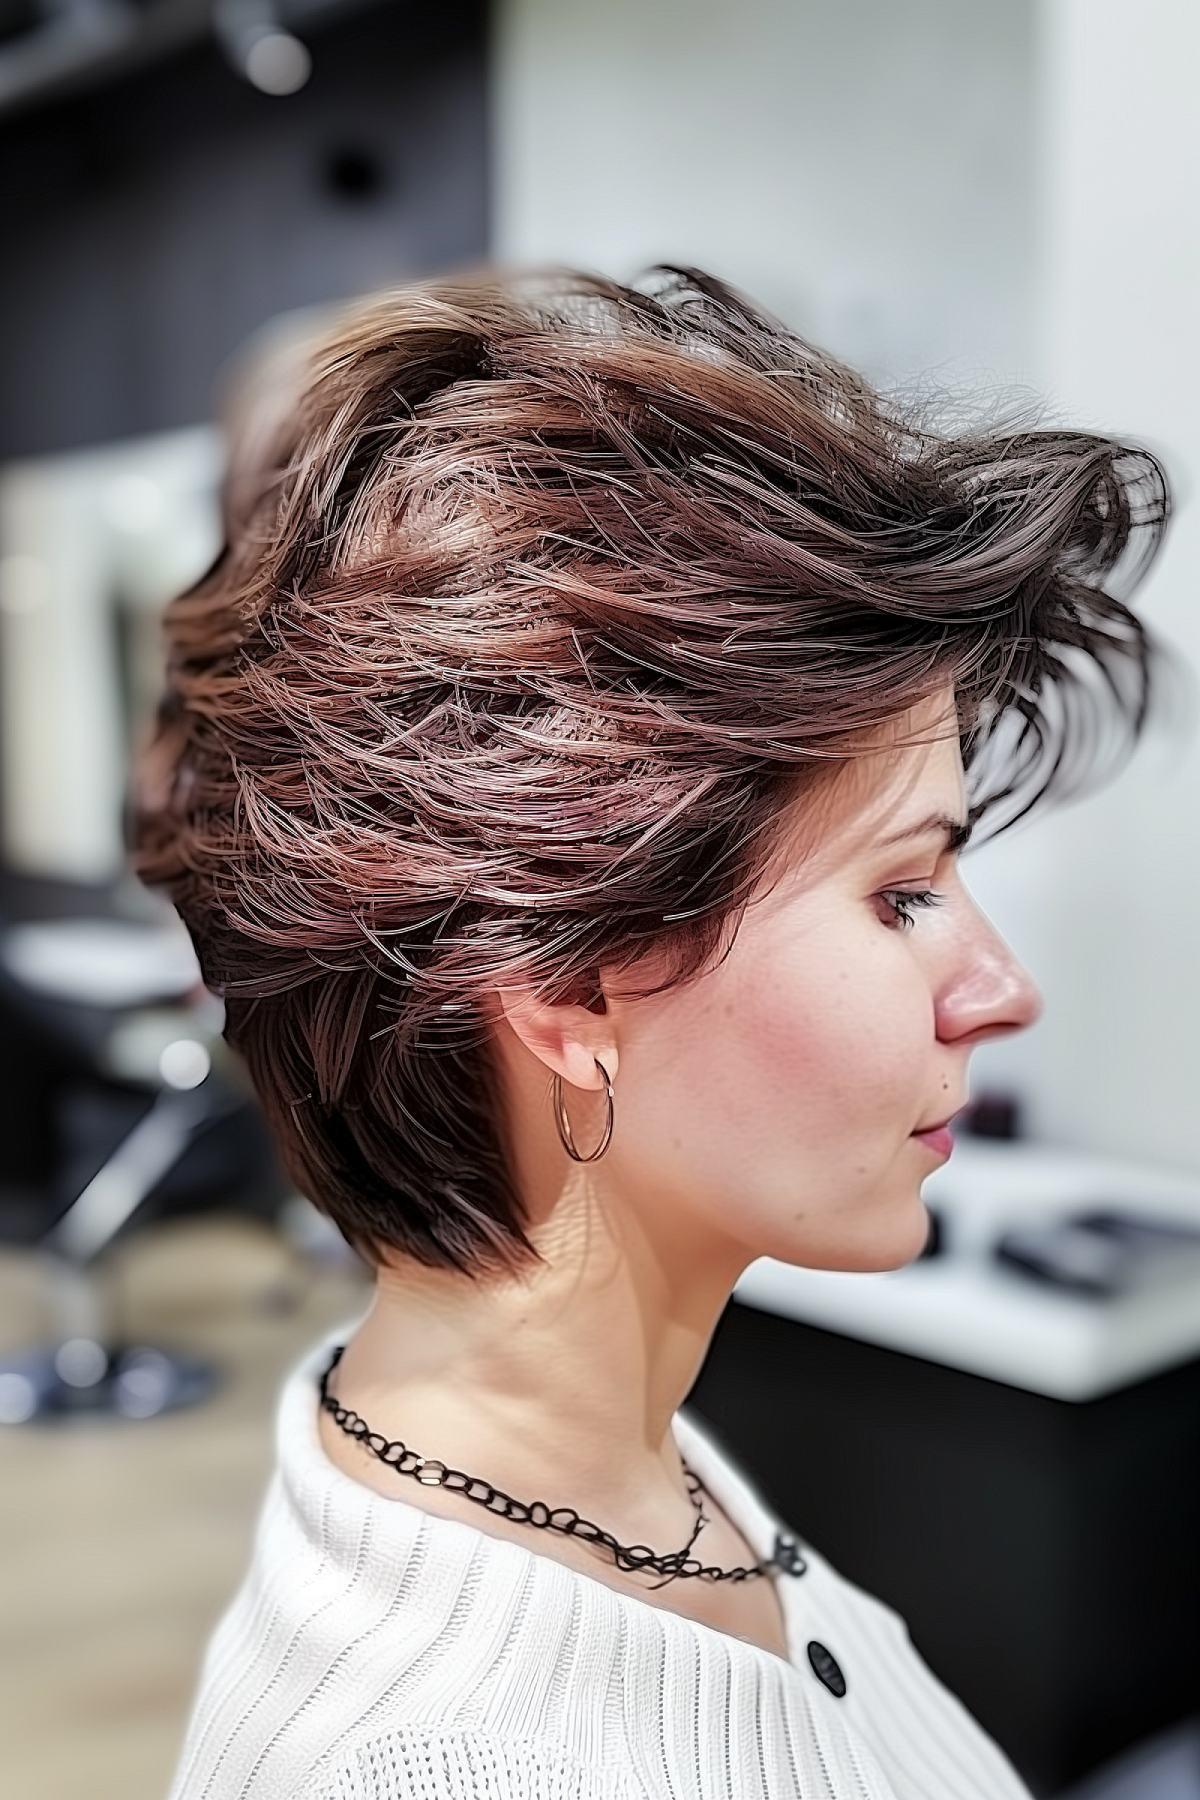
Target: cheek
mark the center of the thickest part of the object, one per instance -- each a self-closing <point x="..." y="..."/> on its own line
<point x="801" y="1047"/>
<point x="819" y="1051"/>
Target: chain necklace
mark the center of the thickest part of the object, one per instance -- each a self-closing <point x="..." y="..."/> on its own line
<point x="671" y="1564"/>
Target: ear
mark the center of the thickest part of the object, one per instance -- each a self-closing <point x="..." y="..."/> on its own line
<point x="567" y="1038"/>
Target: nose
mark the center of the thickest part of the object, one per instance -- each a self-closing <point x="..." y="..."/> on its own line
<point x="989" y="993"/>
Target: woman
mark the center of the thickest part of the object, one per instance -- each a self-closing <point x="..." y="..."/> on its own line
<point x="563" y="775"/>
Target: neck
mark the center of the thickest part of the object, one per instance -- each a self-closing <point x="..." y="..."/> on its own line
<point x="560" y="1384"/>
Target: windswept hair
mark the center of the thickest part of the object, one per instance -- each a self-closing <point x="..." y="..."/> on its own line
<point x="543" y="599"/>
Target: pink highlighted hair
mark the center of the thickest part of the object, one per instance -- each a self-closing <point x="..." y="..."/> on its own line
<point x="544" y="601"/>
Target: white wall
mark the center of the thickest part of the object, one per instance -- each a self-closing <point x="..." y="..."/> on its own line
<point x="870" y="184"/>
<point x="58" y="678"/>
<point x="964" y="190"/>
<point x="133" y="520"/>
<point x="1118" y="309"/>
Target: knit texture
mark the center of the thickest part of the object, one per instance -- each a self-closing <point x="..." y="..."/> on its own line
<point x="375" y="1651"/>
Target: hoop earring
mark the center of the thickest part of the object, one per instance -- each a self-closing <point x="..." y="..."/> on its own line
<point x="564" y="1124"/>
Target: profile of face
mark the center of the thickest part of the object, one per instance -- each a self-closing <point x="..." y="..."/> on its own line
<point x="768" y="1107"/>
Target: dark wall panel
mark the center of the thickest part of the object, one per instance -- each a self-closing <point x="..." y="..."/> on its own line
<point x="150" y="225"/>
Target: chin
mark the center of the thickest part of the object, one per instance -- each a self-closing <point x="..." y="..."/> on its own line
<point x="908" y="1245"/>
<point x="882" y="1246"/>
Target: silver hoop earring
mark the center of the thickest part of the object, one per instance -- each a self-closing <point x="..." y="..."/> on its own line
<point x="564" y="1124"/>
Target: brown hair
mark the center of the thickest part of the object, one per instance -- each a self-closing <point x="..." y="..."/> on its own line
<point x="537" y="603"/>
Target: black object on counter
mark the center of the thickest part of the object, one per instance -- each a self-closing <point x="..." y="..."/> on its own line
<point x="935" y="1243"/>
<point x="1104" y="1253"/>
<point x="992" y="1113"/>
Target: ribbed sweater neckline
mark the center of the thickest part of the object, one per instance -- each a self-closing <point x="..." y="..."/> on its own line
<point x="319" y="1489"/>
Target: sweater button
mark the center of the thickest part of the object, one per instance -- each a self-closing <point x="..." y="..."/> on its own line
<point x="826" y="1668"/>
<point x="787" y="1554"/>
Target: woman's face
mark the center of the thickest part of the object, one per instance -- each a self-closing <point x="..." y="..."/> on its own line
<point x="772" y="1102"/>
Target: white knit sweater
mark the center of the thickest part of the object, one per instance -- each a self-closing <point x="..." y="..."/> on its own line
<point x="375" y="1651"/>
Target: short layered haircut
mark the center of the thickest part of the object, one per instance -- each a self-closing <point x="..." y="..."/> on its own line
<point x="544" y="602"/>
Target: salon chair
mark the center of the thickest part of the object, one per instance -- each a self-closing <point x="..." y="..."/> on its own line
<point x="124" y="1106"/>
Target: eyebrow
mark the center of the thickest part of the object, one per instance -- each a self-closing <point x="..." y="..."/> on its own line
<point x="957" y="832"/>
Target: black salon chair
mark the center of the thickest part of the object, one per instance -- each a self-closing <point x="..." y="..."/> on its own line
<point x="124" y="1106"/>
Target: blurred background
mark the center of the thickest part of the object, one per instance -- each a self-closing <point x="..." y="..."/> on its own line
<point x="1002" y="1439"/>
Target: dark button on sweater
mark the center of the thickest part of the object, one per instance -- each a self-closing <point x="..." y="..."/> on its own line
<point x="826" y="1668"/>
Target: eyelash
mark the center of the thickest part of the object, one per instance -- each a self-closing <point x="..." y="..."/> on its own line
<point x="901" y="898"/>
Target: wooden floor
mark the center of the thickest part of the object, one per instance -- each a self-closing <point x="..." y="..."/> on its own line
<point x="121" y="1543"/>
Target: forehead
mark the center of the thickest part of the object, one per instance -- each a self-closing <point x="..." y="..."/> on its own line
<point x="909" y="769"/>
<point x="917" y="759"/>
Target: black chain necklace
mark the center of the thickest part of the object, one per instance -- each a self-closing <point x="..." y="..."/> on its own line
<point x="786" y="1555"/>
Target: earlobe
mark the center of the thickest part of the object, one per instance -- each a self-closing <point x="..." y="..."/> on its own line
<point x="607" y="1058"/>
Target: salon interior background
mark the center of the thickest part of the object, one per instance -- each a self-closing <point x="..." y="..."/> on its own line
<point x="1000" y="197"/>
